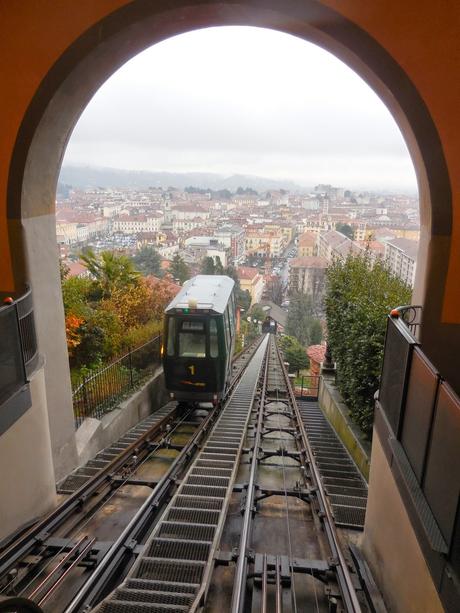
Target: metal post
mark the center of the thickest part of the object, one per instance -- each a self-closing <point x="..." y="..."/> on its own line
<point x="85" y="399"/>
<point x="130" y="362"/>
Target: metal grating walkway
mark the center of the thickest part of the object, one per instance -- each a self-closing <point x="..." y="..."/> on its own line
<point x="172" y="572"/>
<point x="344" y="485"/>
<point x="83" y="474"/>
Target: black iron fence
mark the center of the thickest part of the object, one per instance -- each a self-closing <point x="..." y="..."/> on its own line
<point x="307" y="387"/>
<point x="423" y="415"/>
<point x="101" y="391"/>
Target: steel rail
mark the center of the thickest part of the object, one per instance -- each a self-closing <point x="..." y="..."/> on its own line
<point x="343" y="574"/>
<point x="86" y="549"/>
<point x="56" y="568"/>
<point x="39" y="532"/>
<point x="96" y="587"/>
<point x="239" y="588"/>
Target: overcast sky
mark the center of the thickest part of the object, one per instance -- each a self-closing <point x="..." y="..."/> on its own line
<point x="248" y="101"/>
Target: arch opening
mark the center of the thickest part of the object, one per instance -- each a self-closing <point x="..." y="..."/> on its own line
<point x="78" y="73"/>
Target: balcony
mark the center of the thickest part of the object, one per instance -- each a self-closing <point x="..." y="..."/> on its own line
<point x="418" y="422"/>
<point x="18" y="357"/>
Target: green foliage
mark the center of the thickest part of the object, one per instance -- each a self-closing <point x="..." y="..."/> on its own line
<point x="359" y="296"/>
<point x="75" y="295"/>
<point x="148" y="261"/>
<point x="179" y="269"/>
<point x="207" y="266"/>
<point x="276" y="290"/>
<point x="256" y="312"/>
<point x="301" y="323"/>
<point x="111" y="313"/>
<point x="109" y="271"/>
<point x="243" y="297"/>
<point x="345" y="229"/>
<point x="316" y="332"/>
<point x="294" y="354"/>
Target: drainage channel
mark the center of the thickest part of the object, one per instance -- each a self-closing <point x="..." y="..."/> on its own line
<point x="173" y="571"/>
<point x="344" y="485"/>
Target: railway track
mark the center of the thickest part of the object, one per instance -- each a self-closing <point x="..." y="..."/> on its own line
<point x="241" y="520"/>
<point x="49" y="548"/>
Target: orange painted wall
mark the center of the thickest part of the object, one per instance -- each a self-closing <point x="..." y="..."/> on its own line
<point x="421" y="35"/>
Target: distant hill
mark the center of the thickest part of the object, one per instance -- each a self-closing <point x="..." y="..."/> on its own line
<point x="90" y="176"/>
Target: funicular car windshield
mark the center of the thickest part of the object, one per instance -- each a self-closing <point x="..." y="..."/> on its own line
<point x="192" y="339"/>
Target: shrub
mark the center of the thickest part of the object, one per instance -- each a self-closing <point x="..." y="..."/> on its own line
<point x="359" y="296"/>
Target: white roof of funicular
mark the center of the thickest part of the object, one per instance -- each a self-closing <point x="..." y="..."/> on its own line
<point x="210" y="292"/>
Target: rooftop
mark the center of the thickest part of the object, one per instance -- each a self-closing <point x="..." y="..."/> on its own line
<point x="308" y="261"/>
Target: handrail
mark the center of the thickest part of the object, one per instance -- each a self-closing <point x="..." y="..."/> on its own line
<point x="18" y="357"/>
<point x="411" y="315"/>
<point x="23" y="307"/>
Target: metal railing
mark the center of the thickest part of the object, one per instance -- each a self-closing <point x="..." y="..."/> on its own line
<point x="307" y="388"/>
<point x="423" y="415"/>
<point x="18" y="356"/>
<point x="101" y="391"/>
<point x="411" y="315"/>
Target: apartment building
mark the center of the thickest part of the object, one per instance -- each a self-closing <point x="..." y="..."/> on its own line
<point x="264" y="244"/>
<point x="306" y="245"/>
<point x="251" y="280"/>
<point x="333" y="245"/>
<point x="133" y="224"/>
<point x="401" y="257"/>
<point x="232" y="237"/>
<point x="307" y="275"/>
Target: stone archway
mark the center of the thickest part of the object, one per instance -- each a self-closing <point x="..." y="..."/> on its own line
<point x="96" y="54"/>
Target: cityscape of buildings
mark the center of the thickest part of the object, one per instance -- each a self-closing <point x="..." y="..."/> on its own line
<point x="271" y="237"/>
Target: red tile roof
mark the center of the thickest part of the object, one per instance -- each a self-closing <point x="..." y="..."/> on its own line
<point x="316" y="353"/>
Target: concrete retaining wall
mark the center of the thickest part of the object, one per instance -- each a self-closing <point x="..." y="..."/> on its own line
<point x="338" y="415"/>
<point x="27" y="484"/>
<point x="96" y="434"/>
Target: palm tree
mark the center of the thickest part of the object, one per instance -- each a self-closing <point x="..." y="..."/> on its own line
<point x="110" y="270"/>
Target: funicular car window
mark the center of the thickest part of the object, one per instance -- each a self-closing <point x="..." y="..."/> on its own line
<point x="192" y="339"/>
<point x="213" y="346"/>
<point x="171" y="335"/>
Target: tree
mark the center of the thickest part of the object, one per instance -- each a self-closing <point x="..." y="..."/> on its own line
<point x="316" y="332"/>
<point x="300" y="318"/>
<point x="110" y="270"/>
<point x="294" y="354"/>
<point x="359" y="296"/>
<point x="345" y="229"/>
<point x="218" y="267"/>
<point x="256" y="312"/>
<point x="148" y="261"/>
<point x="276" y="290"/>
<point x="179" y="269"/>
<point x="243" y="299"/>
<point x="207" y="266"/>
